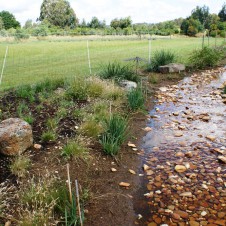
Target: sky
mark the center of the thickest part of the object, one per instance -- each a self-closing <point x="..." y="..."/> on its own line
<point x="150" y="11"/>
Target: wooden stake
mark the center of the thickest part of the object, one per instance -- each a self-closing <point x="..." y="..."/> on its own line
<point x="78" y="201"/>
<point x="69" y="182"/>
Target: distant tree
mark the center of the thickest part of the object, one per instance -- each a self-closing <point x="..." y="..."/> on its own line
<point x="1" y="24"/>
<point x="96" y="23"/>
<point x="9" y="20"/>
<point x="191" y="26"/>
<point x="58" y="13"/>
<point x="222" y="13"/>
<point x="121" y="23"/>
<point x="28" y="24"/>
<point x="83" y="23"/>
<point x="201" y="14"/>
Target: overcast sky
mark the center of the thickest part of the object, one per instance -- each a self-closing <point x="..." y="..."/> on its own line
<point x="150" y="11"/>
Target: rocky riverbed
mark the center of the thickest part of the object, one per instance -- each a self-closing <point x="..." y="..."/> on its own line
<point x="184" y="154"/>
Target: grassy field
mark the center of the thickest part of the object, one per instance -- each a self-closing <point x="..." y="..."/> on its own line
<point x="33" y="60"/>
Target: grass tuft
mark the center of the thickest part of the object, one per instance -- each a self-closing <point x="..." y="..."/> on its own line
<point x="114" y="135"/>
<point x="117" y="72"/>
<point x="20" y="165"/>
<point x="135" y="99"/>
<point x="160" y="58"/>
<point x="76" y="149"/>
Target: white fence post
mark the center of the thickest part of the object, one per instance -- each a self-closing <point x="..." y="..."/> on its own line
<point x="90" y="70"/>
<point x="149" y="50"/>
<point x="3" y="66"/>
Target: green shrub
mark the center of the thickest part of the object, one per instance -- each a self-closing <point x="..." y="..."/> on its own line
<point x="76" y="149"/>
<point x="224" y="90"/>
<point x="118" y="72"/>
<point x="135" y="99"/>
<point x="160" y="58"/>
<point x="114" y="135"/>
<point x="205" y="57"/>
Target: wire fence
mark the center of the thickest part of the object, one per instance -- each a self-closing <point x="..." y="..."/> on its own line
<point x="32" y="61"/>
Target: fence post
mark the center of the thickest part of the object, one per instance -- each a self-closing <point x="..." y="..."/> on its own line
<point x="149" y="50"/>
<point x="90" y="70"/>
<point x="3" y="66"/>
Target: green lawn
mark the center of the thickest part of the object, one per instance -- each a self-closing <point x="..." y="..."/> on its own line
<point x="31" y="61"/>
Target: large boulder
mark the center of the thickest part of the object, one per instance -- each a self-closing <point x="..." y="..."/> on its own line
<point x="128" y="85"/>
<point x="172" y="68"/>
<point x="15" y="136"/>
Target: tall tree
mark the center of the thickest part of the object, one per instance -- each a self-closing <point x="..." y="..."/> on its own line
<point x="9" y="20"/>
<point x="121" y="23"/>
<point x="96" y="23"/>
<point x="58" y="13"/>
<point x="201" y="14"/>
<point x="222" y="13"/>
<point x="1" y="24"/>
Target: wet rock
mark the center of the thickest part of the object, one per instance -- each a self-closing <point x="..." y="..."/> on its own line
<point x="152" y="224"/>
<point x="221" y="214"/>
<point x="203" y="213"/>
<point x="186" y="194"/>
<point x="175" y="216"/>
<point x="211" y="138"/>
<point x="182" y="214"/>
<point x="222" y="158"/>
<point x="188" y="154"/>
<point x="178" y="134"/>
<point x="15" y="136"/>
<point x="180" y="168"/>
<point x="193" y="223"/>
<point x="146" y="167"/>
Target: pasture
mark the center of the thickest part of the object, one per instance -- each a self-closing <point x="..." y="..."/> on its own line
<point x="34" y="60"/>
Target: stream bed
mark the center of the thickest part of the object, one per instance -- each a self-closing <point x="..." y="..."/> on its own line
<point x="184" y="155"/>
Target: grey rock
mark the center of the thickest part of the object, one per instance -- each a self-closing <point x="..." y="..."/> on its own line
<point x="172" y="68"/>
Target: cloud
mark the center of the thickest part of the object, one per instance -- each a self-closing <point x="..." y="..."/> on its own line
<point x="150" y="11"/>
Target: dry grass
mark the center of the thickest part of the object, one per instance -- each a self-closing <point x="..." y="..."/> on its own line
<point x="20" y="165"/>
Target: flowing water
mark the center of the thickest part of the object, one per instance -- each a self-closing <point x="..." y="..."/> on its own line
<point x="185" y="181"/>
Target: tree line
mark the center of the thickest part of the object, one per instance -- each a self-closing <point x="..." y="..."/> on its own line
<point x="58" y="17"/>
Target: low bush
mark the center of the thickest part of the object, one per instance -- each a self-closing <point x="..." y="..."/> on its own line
<point x="205" y="57"/>
<point x="90" y="128"/>
<point x="224" y="90"/>
<point x="117" y="72"/>
<point x="160" y="58"/>
<point x="78" y="89"/>
<point x="115" y="134"/>
<point x="135" y="99"/>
